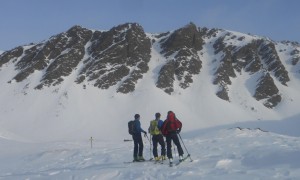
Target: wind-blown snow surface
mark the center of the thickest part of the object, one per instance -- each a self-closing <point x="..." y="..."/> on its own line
<point x="217" y="154"/>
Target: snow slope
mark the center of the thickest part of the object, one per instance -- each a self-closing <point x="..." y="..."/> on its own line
<point x="71" y="112"/>
<point x="218" y="154"/>
<point x="44" y="134"/>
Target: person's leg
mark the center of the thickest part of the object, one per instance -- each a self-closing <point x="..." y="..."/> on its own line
<point x="169" y="146"/>
<point x="177" y="143"/>
<point x="141" y="146"/>
<point x="155" y="141"/>
<point x="162" y="144"/>
<point x="135" y="148"/>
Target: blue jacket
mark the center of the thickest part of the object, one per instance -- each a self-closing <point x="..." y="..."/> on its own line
<point x="138" y="128"/>
<point x="159" y="124"/>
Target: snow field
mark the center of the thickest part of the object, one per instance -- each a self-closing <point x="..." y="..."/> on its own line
<point x="223" y="153"/>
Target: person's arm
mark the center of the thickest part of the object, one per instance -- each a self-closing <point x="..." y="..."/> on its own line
<point x="179" y="125"/>
<point x="159" y="124"/>
<point x="138" y="127"/>
<point x="163" y="128"/>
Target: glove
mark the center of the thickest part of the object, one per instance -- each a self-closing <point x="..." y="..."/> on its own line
<point x="178" y="131"/>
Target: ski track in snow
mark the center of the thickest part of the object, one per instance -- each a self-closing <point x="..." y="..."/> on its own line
<point x="219" y="154"/>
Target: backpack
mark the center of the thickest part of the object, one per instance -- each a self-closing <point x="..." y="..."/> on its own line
<point x="172" y="124"/>
<point x="131" y="127"/>
<point x="153" y="129"/>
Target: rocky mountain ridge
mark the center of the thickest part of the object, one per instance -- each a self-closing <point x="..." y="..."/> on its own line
<point x="120" y="57"/>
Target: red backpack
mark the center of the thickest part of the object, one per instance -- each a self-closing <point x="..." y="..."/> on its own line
<point x="171" y="124"/>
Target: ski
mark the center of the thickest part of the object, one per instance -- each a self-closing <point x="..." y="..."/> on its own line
<point x="159" y="162"/>
<point x="127" y="162"/>
<point x="183" y="160"/>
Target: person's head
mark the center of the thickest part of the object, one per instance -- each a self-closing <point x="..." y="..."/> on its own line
<point x="171" y="115"/>
<point x="157" y="115"/>
<point x="136" y="116"/>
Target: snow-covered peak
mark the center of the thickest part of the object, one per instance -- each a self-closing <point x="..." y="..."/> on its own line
<point x="237" y="96"/>
<point x="207" y="76"/>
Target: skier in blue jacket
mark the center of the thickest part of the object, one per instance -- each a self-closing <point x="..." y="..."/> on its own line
<point x="137" y="139"/>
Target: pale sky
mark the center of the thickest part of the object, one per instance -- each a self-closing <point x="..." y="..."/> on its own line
<point x="31" y="21"/>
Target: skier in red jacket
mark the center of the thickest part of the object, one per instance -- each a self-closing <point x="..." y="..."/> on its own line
<point x="170" y="128"/>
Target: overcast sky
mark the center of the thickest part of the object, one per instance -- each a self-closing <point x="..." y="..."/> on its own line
<point x="26" y="21"/>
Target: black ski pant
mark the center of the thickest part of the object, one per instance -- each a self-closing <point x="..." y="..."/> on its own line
<point x="158" y="139"/>
<point x="174" y="137"/>
<point x="138" y="145"/>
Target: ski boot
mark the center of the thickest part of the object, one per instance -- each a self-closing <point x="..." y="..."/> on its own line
<point x="141" y="158"/>
<point x="180" y="158"/>
<point x="170" y="162"/>
<point x="156" y="158"/>
<point x="135" y="159"/>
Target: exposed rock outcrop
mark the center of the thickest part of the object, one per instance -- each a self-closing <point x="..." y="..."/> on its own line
<point x="120" y="57"/>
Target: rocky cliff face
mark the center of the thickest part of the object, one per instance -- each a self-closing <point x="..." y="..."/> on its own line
<point x="120" y="55"/>
<point x="120" y="58"/>
<point x="257" y="55"/>
<point x="180" y="48"/>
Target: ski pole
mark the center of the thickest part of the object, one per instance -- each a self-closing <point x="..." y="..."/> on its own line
<point x="147" y="138"/>
<point x="126" y="140"/>
<point x="150" y="147"/>
<point x="174" y="148"/>
<point x="185" y="147"/>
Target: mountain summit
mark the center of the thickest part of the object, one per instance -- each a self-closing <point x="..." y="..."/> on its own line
<point x="75" y="82"/>
<point x="120" y="57"/>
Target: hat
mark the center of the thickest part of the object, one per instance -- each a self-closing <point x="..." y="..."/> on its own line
<point x="171" y="115"/>
<point x="157" y="115"/>
<point x="136" y="116"/>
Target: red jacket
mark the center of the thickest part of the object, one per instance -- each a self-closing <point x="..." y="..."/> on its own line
<point x="171" y="124"/>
